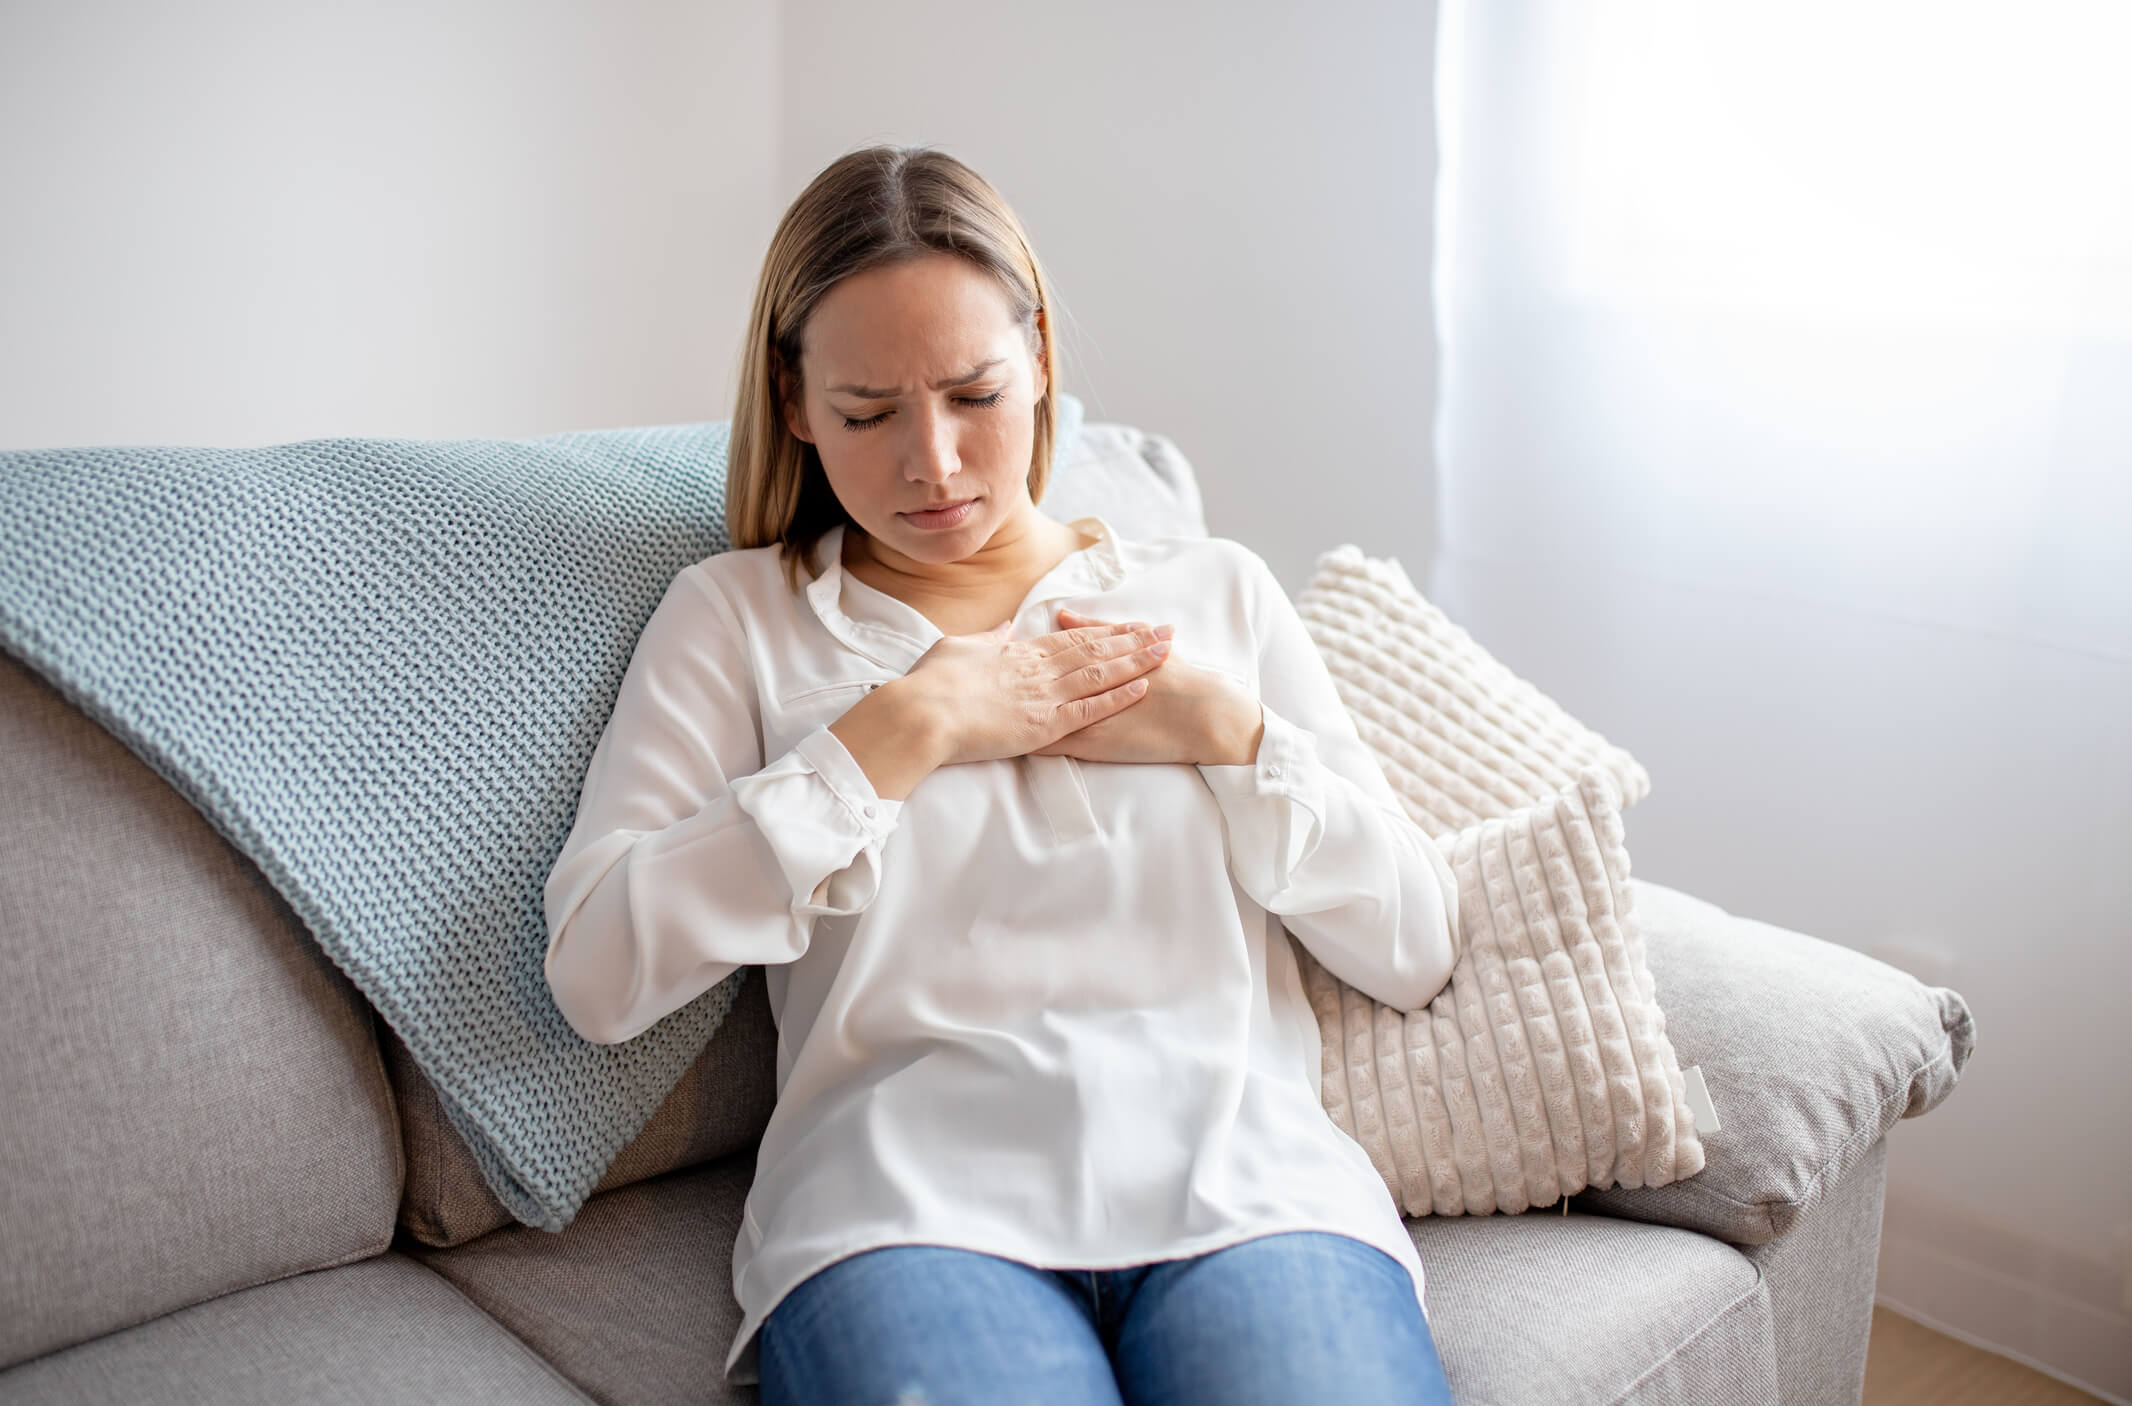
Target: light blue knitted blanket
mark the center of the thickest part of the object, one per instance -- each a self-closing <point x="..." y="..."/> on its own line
<point x="379" y="667"/>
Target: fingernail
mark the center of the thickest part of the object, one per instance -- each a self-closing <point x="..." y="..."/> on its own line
<point x="1163" y="632"/>
<point x="1160" y="649"/>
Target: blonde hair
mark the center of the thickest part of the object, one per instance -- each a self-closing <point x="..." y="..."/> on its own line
<point x="872" y="207"/>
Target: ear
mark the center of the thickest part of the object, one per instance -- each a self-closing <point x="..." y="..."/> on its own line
<point x="789" y="404"/>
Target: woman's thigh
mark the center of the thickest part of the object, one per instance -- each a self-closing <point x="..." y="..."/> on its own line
<point x="928" y="1325"/>
<point x="1304" y="1316"/>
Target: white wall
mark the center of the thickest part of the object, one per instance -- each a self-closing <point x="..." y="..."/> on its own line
<point x="238" y="223"/>
<point x="1233" y="200"/>
<point x="1791" y="447"/>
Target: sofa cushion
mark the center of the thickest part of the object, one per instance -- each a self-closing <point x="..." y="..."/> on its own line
<point x="720" y="1107"/>
<point x="385" y="1329"/>
<point x="1580" y="1308"/>
<point x="1811" y="1052"/>
<point x="194" y="1101"/>
<point x="634" y="1301"/>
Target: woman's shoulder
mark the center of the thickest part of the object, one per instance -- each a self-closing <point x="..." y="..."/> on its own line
<point x="739" y="590"/>
<point x="1224" y="552"/>
<point x="749" y="579"/>
<point x="1204" y="559"/>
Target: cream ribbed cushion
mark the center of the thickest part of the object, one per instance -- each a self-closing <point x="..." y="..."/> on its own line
<point x="1543" y="1067"/>
<point x="1462" y="739"/>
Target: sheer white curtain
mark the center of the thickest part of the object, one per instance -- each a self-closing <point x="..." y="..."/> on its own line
<point x="1785" y="436"/>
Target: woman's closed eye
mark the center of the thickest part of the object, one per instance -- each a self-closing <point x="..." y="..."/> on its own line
<point x="979" y="403"/>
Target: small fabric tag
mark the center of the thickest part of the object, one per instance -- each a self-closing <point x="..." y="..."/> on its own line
<point x="1699" y="1100"/>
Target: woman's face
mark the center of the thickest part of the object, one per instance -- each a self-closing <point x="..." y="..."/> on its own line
<point x="919" y="388"/>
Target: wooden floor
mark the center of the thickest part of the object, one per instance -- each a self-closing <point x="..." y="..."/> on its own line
<point x="1907" y="1364"/>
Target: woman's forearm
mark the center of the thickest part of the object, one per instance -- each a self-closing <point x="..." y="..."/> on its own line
<point x="893" y="742"/>
<point x="1237" y="734"/>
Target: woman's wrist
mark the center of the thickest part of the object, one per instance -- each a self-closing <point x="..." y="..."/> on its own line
<point x="1243" y="726"/>
<point x="895" y="741"/>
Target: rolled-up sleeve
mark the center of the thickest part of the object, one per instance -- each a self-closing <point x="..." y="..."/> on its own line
<point x="690" y="856"/>
<point x="1316" y="834"/>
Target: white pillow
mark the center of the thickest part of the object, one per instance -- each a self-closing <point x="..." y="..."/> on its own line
<point x="1543" y="1068"/>
<point x="1461" y="738"/>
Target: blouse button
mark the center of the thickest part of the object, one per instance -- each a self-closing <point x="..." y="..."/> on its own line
<point x="1273" y="771"/>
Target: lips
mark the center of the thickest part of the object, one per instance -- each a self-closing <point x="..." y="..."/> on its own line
<point x="941" y="519"/>
<point x="938" y="507"/>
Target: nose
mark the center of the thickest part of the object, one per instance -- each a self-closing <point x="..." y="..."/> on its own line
<point x="931" y="455"/>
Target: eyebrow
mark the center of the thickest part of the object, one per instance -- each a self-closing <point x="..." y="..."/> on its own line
<point x="872" y="393"/>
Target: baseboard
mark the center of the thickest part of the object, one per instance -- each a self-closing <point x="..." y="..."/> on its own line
<point x="1992" y="1286"/>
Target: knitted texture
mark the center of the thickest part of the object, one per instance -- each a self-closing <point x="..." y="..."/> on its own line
<point x="1542" y="1068"/>
<point x="379" y="667"/>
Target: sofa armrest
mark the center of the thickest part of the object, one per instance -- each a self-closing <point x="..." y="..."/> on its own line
<point x="1811" y="1052"/>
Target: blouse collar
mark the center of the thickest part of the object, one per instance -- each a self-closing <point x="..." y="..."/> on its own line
<point x="894" y="634"/>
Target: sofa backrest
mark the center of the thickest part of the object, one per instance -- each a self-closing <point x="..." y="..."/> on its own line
<point x="194" y="1100"/>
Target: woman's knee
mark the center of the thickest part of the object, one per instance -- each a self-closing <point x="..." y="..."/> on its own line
<point x="1299" y="1316"/>
<point x="929" y="1325"/>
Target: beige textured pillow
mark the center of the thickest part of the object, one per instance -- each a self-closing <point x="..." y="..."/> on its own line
<point x="1461" y="738"/>
<point x="1543" y="1068"/>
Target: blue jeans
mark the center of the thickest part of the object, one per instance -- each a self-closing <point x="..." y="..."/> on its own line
<point x="1296" y="1317"/>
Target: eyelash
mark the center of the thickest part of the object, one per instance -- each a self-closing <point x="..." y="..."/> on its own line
<point x="982" y="403"/>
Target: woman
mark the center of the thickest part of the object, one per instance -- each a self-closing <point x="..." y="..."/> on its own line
<point x="1015" y="862"/>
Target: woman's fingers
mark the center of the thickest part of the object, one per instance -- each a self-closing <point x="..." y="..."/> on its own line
<point x="1080" y="635"/>
<point x="1114" y="644"/>
<point x="1135" y="645"/>
<point x="1080" y="629"/>
<point x="1073" y="618"/>
<point x="1108" y="660"/>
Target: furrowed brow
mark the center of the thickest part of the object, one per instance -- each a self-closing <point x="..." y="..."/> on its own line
<point x="874" y="393"/>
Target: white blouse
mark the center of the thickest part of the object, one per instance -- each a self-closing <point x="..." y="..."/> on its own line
<point x="1041" y="1007"/>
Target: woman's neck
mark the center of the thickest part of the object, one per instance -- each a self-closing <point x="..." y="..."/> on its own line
<point x="1014" y="559"/>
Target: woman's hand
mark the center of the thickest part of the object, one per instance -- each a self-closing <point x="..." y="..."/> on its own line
<point x="1190" y="714"/>
<point x="985" y="696"/>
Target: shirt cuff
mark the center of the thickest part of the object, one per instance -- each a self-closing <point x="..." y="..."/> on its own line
<point x="824" y="822"/>
<point x="1278" y="798"/>
<point x="833" y="762"/>
<point x="1287" y="765"/>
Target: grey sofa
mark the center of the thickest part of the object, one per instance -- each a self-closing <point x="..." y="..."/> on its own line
<point x="222" y="1179"/>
